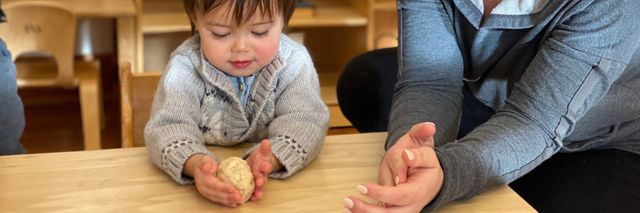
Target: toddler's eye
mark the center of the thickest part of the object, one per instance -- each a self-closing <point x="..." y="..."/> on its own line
<point x="220" y="35"/>
<point x="260" y="34"/>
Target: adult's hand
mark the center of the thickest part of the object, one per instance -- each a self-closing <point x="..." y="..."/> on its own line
<point x="424" y="181"/>
<point x="392" y="169"/>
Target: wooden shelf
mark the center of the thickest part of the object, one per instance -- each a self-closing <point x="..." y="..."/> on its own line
<point x="331" y="13"/>
<point x="165" y="16"/>
<point x="328" y="82"/>
<point x="385" y="5"/>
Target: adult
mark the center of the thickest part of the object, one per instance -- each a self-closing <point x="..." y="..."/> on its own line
<point x="11" y="111"/>
<point x="557" y="83"/>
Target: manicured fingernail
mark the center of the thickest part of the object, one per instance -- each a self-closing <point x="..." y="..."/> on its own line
<point x="361" y="189"/>
<point x="429" y="123"/>
<point x="409" y="154"/>
<point x="397" y="179"/>
<point x="345" y="210"/>
<point x="348" y="202"/>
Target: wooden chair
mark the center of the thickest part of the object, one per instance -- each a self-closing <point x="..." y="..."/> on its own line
<point x="45" y="27"/>
<point x="136" y="95"/>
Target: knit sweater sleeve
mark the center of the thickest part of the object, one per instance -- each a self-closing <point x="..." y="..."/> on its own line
<point x="301" y="119"/>
<point x="172" y="134"/>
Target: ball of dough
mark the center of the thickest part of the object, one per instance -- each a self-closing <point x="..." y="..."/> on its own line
<point x="236" y="171"/>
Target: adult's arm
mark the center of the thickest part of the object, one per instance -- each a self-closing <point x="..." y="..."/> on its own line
<point x="11" y="110"/>
<point x="429" y="86"/>
<point x="575" y="67"/>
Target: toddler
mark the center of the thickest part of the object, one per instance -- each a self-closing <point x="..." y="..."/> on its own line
<point x="238" y="79"/>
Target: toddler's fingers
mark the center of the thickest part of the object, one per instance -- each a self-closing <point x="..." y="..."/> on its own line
<point x="265" y="147"/>
<point x="257" y="195"/>
<point x="209" y="166"/>
<point x="260" y="180"/>
<point x="261" y="172"/>
<point x="226" y="199"/>
<point x="213" y="183"/>
<point x="266" y="168"/>
<point x="215" y="190"/>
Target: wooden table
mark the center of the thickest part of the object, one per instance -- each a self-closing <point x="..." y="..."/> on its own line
<point x="124" y="11"/>
<point x="124" y="180"/>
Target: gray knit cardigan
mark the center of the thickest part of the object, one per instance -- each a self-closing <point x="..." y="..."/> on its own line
<point x="196" y="104"/>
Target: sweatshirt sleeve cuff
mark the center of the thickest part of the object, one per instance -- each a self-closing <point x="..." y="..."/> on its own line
<point x="444" y="196"/>
<point x="175" y="155"/>
<point x="455" y="184"/>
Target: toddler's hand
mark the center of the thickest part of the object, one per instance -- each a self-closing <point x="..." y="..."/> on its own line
<point x="262" y="163"/>
<point x="209" y="186"/>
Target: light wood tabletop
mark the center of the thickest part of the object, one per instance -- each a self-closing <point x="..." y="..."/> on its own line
<point x="125" y="180"/>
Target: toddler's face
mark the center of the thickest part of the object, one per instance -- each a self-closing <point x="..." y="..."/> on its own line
<point x="239" y="50"/>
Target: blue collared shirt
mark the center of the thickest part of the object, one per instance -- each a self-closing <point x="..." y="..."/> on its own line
<point x="243" y="87"/>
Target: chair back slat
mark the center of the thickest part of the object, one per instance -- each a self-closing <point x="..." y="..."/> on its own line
<point x="137" y="92"/>
<point x="42" y="27"/>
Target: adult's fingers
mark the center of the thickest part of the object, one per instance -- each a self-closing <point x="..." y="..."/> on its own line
<point x="419" y="135"/>
<point x="421" y="187"/>
<point x="398" y="170"/>
<point x="386" y="176"/>
<point x="420" y="157"/>
<point x="393" y="170"/>
<point x="423" y="133"/>
<point x="355" y="205"/>
<point x="402" y="194"/>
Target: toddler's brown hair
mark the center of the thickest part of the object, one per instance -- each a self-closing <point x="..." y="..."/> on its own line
<point x="242" y="10"/>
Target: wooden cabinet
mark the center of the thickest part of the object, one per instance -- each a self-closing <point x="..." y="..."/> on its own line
<point x="383" y="19"/>
<point x="337" y="31"/>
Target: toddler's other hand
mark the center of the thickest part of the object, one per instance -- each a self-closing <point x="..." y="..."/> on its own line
<point x="262" y="163"/>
